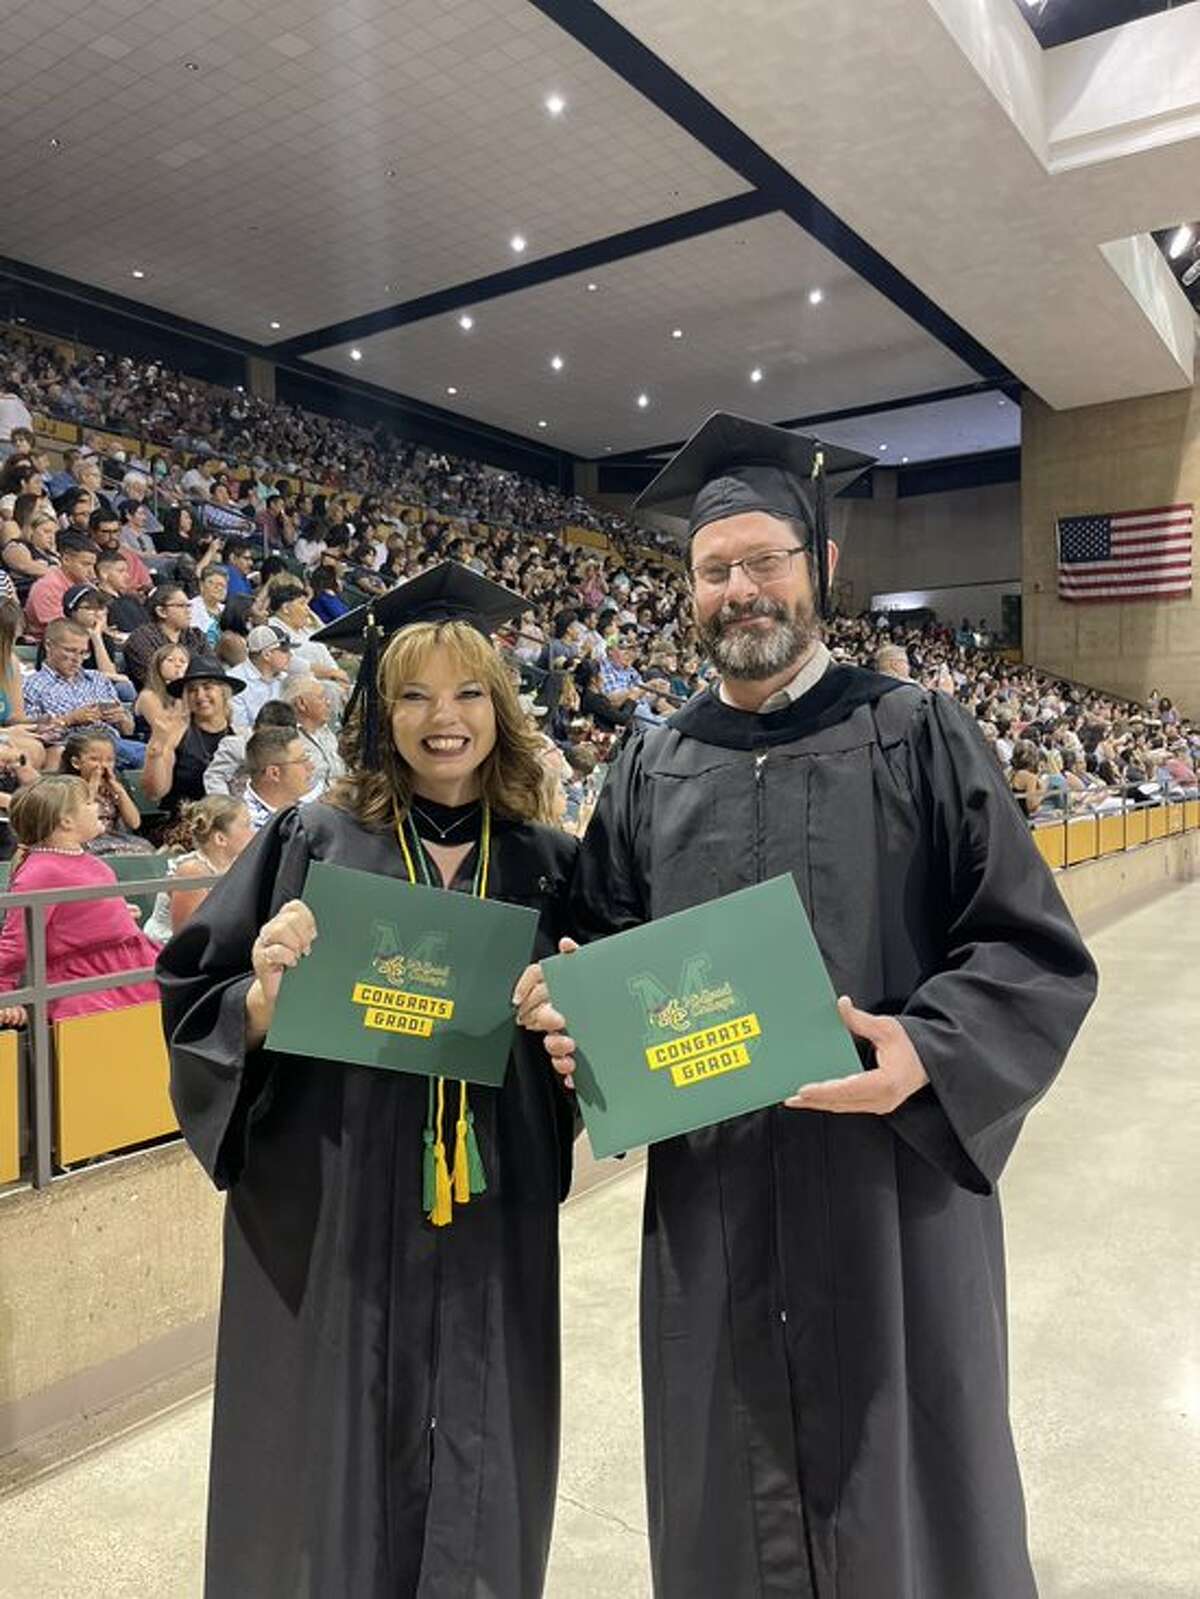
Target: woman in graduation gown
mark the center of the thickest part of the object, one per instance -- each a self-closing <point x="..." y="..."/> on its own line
<point x="387" y="1395"/>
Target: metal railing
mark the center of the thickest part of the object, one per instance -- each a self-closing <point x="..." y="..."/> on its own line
<point x="38" y="993"/>
<point x="1129" y="799"/>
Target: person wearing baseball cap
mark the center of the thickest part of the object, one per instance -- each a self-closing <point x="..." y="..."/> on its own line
<point x="266" y="665"/>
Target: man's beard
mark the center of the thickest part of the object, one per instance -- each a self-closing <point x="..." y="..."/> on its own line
<point x="753" y="654"/>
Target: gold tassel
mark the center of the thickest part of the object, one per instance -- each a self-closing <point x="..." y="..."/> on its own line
<point x="442" y="1213"/>
<point x="462" y="1169"/>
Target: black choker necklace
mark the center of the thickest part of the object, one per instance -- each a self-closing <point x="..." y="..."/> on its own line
<point x="447" y="824"/>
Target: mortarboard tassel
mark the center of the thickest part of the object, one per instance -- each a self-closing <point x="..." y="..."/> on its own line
<point x="821" y="532"/>
<point x="462" y="1170"/>
<point x="366" y="689"/>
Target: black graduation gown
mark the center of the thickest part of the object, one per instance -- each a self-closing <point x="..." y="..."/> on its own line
<point x="387" y="1396"/>
<point x="823" y="1297"/>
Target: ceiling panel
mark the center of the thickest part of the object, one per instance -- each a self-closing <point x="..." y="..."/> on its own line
<point x="740" y="297"/>
<point x="256" y="190"/>
<point x="968" y="425"/>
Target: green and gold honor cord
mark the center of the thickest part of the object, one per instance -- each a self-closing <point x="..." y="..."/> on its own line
<point x="441" y="1190"/>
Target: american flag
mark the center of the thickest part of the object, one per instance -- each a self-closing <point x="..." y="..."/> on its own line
<point x="1126" y="555"/>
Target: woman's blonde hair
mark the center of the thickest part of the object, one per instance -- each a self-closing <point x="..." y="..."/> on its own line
<point x="511" y="777"/>
<point x="155" y="681"/>
<point x="36" y="811"/>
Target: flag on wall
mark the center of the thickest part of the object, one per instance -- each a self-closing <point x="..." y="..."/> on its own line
<point x="1126" y="555"/>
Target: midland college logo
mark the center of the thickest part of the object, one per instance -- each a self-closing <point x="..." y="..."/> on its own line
<point x="694" y="1053"/>
<point x="412" y="999"/>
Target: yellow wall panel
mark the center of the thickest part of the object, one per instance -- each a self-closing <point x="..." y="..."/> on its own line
<point x="10" y="1109"/>
<point x="1156" y="822"/>
<point x="1137" y="827"/>
<point x="111" y="1080"/>
<point x="1191" y="814"/>
<point x="1112" y="834"/>
<point x="1082" y="840"/>
<point x="1051" y="845"/>
<point x="1174" y="818"/>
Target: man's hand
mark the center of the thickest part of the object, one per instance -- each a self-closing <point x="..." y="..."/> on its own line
<point x="897" y="1076"/>
<point x="534" y="1011"/>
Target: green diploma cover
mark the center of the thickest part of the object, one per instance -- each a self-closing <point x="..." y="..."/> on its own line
<point x="404" y="977"/>
<point x="704" y="1015"/>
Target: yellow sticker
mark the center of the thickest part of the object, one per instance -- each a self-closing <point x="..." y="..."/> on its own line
<point x="441" y="1010"/>
<point x="725" y="1060"/>
<point x="694" y="1045"/>
<point x="398" y="1021"/>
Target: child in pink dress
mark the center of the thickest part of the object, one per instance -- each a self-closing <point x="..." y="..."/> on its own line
<point x="54" y="820"/>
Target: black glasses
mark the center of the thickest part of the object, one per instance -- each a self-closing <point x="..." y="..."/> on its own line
<point x="767" y="567"/>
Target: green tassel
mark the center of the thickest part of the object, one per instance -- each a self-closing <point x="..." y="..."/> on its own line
<point x="474" y="1158"/>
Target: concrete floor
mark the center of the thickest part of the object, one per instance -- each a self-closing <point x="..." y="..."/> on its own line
<point x="1103" y="1206"/>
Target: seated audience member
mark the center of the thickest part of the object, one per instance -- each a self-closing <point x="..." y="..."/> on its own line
<point x="169" y="623"/>
<point x="180" y="748"/>
<point x="77" y="566"/>
<point x="279" y="769"/>
<point x="207" y="606"/>
<point x="69" y="697"/>
<point x="226" y="772"/>
<point x="135" y="490"/>
<point x="20" y="475"/>
<point x="594" y="702"/>
<point x="54" y="821"/>
<point x="1055" y="788"/>
<point x="126" y="612"/>
<point x="92" y="757"/>
<point x="17" y="735"/>
<point x="311" y="704"/>
<point x="328" y="603"/>
<point x="219" y="515"/>
<point x="289" y="608"/>
<point x="1023" y="780"/>
<point x="167" y="665"/>
<point x="892" y="661"/>
<point x="211" y="833"/>
<point x="239" y="565"/>
<point x="76" y="509"/>
<point x="91" y="478"/>
<point x="135" y="528"/>
<point x="31" y="555"/>
<point x="105" y="531"/>
<point x="268" y="658"/>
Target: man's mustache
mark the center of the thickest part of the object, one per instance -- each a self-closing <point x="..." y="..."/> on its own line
<point x="762" y="606"/>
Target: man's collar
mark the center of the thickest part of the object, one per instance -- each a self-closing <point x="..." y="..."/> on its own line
<point x="806" y="678"/>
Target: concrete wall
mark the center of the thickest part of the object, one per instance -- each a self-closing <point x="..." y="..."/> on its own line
<point x="1116" y="457"/>
<point x="967" y="538"/>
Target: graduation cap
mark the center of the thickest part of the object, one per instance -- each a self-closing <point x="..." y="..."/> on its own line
<point x="448" y="592"/>
<point x="732" y="464"/>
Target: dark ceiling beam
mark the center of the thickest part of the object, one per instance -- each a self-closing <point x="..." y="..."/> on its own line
<point x="581" y="258"/>
<point x="847" y="413"/>
<point x="592" y="27"/>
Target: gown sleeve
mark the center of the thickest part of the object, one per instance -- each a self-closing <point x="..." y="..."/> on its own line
<point x="607" y="893"/>
<point x="994" y="1022"/>
<point x="204" y="974"/>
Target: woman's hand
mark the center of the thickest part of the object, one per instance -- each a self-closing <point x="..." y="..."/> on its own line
<point x="535" y="1011"/>
<point x="281" y="944"/>
<point x="12" y="1016"/>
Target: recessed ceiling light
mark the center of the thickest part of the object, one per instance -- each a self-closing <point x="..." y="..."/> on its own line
<point x="517" y="243"/>
<point x="1001" y="401"/>
<point x="1180" y="240"/>
<point x="450" y="389"/>
<point x="356" y="354"/>
<point x="883" y="447"/>
<point x="643" y="401"/>
<point x="466" y="323"/>
<point x="543" y="424"/>
<point x="191" y="66"/>
<point x="555" y="104"/>
<point x="275" y="326"/>
<point x="138" y="273"/>
<point x="592" y="287"/>
<point x="676" y="333"/>
<point x="56" y="144"/>
<point x="815" y="296"/>
<point x="390" y="173"/>
<point x="904" y="460"/>
<point x="757" y="375"/>
<point x="608" y="449"/>
<point x="557" y="362"/>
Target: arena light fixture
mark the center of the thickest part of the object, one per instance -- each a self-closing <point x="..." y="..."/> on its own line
<point x="543" y="424"/>
<point x="756" y="375"/>
<point x="555" y="104"/>
<point x="275" y="326"/>
<point x="592" y="287"/>
<point x="676" y="333"/>
<point x="643" y="401"/>
<point x="56" y="144"/>
<point x="557" y="362"/>
<point x="191" y="66"/>
<point x="466" y="323"/>
<point x="815" y="296"/>
<point x="517" y="243"/>
<point x="1180" y="240"/>
<point x="138" y="273"/>
<point x="1192" y="273"/>
<point x="882" y="448"/>
<point x="450" y="389"/>
<point x="904" y="460"/>
<point x="356" y="354"/>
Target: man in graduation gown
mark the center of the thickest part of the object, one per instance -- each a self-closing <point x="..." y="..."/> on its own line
<point x="823" y="1292"/>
